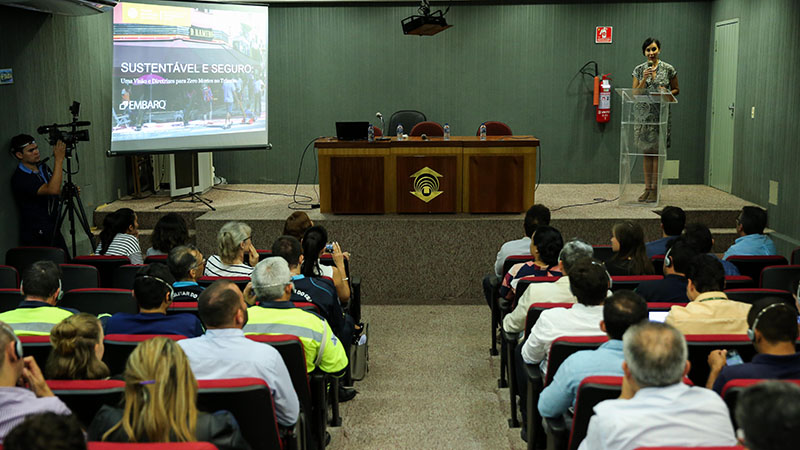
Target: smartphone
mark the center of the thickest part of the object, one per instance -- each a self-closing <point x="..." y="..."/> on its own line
<point x="733" y="358"/>
<point x="329" y="248"/>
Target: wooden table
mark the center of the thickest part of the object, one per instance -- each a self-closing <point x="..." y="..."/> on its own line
<point x="463" y="174"/>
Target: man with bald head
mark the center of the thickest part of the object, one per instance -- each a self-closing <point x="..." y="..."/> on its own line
<point x="224" y="352"/>
<point x="656" y="408"/>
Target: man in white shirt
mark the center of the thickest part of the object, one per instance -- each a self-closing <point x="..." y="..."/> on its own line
<point x="589" y="282"/>
<point x="656" y="408"/>
<point x="555" y="292"/>
<point x="224" y="352"/>
<point x="537" y="215"/>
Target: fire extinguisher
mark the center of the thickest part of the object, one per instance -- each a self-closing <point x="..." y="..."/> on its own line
<point x="603" y="112"/>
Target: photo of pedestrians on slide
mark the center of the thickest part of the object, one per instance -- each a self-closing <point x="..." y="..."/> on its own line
<point x="187" y="72"/>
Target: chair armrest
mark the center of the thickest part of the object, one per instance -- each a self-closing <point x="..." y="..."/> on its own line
<point x="557" y="428"/>
<point x="354" y="305"/>
<point x="510" y="338"/>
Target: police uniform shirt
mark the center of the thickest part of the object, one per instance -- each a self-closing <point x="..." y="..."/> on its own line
<point x="37" y="212"/>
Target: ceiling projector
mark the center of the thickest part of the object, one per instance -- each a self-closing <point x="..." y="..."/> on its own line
<point x="425" y="23"/>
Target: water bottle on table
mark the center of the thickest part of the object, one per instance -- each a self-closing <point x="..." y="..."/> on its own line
<point x="400" y="132"/>
<point x="483" y="131"/>
<point x="371" y="133"/>
<point x="446" y="132"/>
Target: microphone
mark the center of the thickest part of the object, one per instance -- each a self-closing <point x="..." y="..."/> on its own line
<point x="383" y="125"/>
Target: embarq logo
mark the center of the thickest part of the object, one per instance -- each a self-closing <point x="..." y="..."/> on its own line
<point x="426" y="184"/>
<point x="144" y="104"/>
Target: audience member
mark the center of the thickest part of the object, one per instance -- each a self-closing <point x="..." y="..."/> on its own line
<point x="160" y="403"/>
<point x="297" y="224"/>
<point x="224" y="352"/>
<point x="773" y="330"/>
<point x="234" y="241"/>
<point x="37" y="313"/>
<point x="186" y="265"/>
<point x="555" y="292"/>
<point x="46" y="431"/>
<point x="656" y="408"/>
<point x="535" y="216"/>
<point x="751" y="241"/>
<point x="18" y="402"/>
<point x="620" y="311"/>
<point x="672" y="221"/>
<point x="170" y="231"/>
<point x="120" y="236"/>
<point x="768" y="415"/>
<point x="152" y="289"/>
<point x="546" y="245"/>
<point x="630" y="255"/>
<point x="589" y="282"/>
<point x="673" y="287"/>
<point x="315" y="242"/>
<point x="699" y="237"/>
<point x="710" y="311"/>
<point x="275" y="314"/>
<point x="78" y="349"/>
<point x="317" y="290"/>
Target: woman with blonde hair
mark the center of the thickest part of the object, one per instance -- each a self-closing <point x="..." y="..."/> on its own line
<point x="160" y="396"/>
<point x="77" y="350"/>
<point x="234" y="241"/>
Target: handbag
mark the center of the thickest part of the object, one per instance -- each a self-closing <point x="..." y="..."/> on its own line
<point x="359" y="356"/>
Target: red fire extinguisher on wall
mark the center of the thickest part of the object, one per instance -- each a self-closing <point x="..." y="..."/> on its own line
<point x="603" y="112"/>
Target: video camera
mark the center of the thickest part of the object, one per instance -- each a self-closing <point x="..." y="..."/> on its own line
<point x="71" y="137"/>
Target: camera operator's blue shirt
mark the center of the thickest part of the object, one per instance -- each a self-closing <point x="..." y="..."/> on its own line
<point x="36" y="212"/>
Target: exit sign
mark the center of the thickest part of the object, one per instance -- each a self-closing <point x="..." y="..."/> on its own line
<point x="602" y="35"/>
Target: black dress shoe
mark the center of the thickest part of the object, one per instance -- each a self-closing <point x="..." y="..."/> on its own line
<point x="345" y="394"/>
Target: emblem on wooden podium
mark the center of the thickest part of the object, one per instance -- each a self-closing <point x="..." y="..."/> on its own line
<point x="426" y="184"/>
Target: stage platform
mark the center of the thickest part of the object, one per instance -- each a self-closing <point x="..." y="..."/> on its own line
<point x="432" y="258"/>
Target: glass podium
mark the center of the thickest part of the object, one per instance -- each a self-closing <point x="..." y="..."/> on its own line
<point x="643" y="145"/>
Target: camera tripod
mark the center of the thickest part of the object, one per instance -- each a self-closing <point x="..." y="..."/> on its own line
<point x="70" y="205"/>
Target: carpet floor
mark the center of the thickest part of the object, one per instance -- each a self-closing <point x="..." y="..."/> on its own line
<point x="431" y="383"/>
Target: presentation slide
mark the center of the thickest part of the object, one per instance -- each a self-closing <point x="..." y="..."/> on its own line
<point x="188" y="76"/>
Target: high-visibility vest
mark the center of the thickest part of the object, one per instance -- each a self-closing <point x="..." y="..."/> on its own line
<point x="34" y="321"/>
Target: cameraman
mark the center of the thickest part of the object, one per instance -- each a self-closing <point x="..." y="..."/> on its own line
<point x="36" y="191"/>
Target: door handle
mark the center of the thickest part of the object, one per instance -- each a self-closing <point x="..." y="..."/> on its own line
<point x="732" y="109"/>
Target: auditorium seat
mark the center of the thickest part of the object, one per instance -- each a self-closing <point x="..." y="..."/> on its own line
<point x="9" y="277"/>
<point x="307" y="306"/>
<point x="658" y="263"/>
<point x="522" y="286"/>
<point x="125" y="275"/>
<point x="119" y="346"/>
<point x="494" y="128"/>
<point x="155" y="259"/>
<point x="241" y="282"/>
<point x="96" y="445"/>
<point x="779" y="277"/>
<point x="86" y="397"/>
<point x="263" y="253"/>
<point x="250" y="401"/>
<point x="568" y="434"/>
<point x="79" y="276"/>
<point x="37" y="346"/>
<point x="740" y="282"/>
<point x="22" y="257"/>
<point x="407" y="117"/>
<point x="498" y="310"/>
<point x="731" y="447"/>
<point x="353" y="306"/>
<point x="795" y="259"/>
<point x="106" y="265"/>
<point x="100" y="301"/>
<point x="753" y="295"/>
<point x="183" y="307"/>
<point x="311" y="389"/>
<point x="427" y="128"/>
<point x="733" y="388"/>
<point x="751" y="266"/>
<point x="9" y="299"/>
<point x="508" y="363"/>
<point x="700" y="345"/>
<point x="631" y="281"/>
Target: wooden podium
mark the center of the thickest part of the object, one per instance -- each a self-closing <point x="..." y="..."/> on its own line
<point x="463" y="174"/>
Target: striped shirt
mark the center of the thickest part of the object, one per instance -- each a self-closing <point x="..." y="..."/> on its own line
<point x="124" y="245"/>
<point x="216" y="268"/>
<point x="17" y="403"/>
